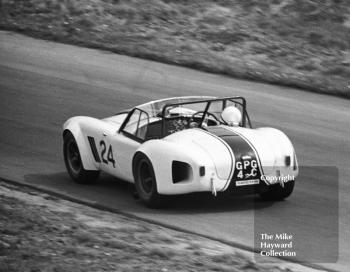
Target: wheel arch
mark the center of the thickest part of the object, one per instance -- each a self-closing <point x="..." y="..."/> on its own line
<point x="162" y="154"/>
<point x="134" y="161"/>
<point x="73" y="127"/>
<point x="282" y="146"/>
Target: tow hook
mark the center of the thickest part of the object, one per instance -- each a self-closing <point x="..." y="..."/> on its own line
<point x="213" y="189"/>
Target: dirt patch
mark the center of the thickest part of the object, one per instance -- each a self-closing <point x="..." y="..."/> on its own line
<point x="42" y="233"/>
<point x="290" y="42"/>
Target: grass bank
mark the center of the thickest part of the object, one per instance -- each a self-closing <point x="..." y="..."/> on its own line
<point x="299" y="43"/>
<point x="40" y="233"/>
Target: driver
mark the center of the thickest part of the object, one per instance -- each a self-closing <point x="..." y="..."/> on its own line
<point x="231" y="116"/>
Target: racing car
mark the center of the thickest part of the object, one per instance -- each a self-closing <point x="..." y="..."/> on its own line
<point x="182" y="145"/>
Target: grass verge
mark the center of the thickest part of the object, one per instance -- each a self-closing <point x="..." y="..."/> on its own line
<point x="299" y="43"/>
<point x="39" y="232"/>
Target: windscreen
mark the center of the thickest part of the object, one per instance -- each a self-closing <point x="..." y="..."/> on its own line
<point x="171" y="115"/>
<point x="155" y="108"/>
<point x="197" y="108"/>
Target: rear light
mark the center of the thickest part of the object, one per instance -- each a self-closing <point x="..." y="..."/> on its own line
<point x="287" y="160"/>
<point x="295" y="167"/>
<point x="202" y="171"/>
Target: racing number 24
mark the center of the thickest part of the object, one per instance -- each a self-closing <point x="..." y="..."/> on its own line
<point x="109" y="157"/>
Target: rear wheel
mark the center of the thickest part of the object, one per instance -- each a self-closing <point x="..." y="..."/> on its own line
<point x="277" y="192"/>
<point x="73" y="161"/>
<point x="145" y="182"/>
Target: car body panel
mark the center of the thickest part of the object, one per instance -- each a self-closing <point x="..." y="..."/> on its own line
<point x="213" y="147"/>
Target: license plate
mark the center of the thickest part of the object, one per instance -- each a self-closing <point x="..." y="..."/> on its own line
<point x="247" y="182"/>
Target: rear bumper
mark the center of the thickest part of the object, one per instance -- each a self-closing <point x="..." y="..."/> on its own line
<point x="262" y="187"/>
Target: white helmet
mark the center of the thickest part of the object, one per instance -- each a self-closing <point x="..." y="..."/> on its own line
<point x="231" y="116"/>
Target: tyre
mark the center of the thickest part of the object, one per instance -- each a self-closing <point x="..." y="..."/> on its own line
<point x="277" y="192"/>
<point x="73" y="161"/>
<point x="145" y="182"/>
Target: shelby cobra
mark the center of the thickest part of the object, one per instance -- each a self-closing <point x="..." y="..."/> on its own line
<point x="182" y="145"/>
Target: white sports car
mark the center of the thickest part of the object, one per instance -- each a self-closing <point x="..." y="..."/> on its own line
<point x="182" y="145"/>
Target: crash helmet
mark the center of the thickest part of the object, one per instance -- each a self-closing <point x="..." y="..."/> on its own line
<point x="231" y="116"/>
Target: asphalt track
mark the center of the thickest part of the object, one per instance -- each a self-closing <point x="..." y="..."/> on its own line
<point x="44" y="83"/>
